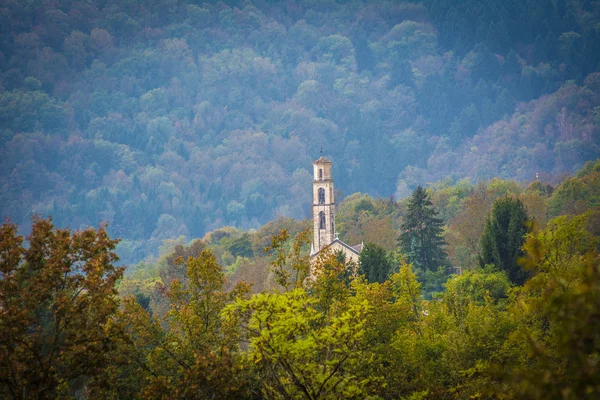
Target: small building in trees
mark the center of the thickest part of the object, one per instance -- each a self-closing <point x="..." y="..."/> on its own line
<point x="324" y="234"/>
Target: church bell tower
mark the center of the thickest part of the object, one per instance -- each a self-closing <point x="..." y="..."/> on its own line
<point x="323" y="205"/>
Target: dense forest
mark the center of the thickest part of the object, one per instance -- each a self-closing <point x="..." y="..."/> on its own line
<point x="506" y="304"/>
<point x="174" y="118"/>
<point x="155" y="181"/>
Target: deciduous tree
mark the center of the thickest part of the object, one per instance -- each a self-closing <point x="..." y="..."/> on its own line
<point x="559" y="313"/>
<point x="307" y="345"/>
<point x="189" y="352"/>
<point x="57" y="298"/>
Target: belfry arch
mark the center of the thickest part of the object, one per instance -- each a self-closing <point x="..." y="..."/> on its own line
<point x="323" y="204"/>
<point x="321" y="196"/>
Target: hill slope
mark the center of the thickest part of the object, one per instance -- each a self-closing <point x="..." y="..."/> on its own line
<point x="170" y="118"/>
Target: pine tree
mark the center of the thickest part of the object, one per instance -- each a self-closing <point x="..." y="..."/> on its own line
<point x="421" y="238"/>
<point x="503" y="237"/>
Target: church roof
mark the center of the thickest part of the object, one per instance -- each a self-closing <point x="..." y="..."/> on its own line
<point x="322" y="160"/>
<point x="355" y="249"/>
<point x="358" y="247"/>
<point x="351" y="248"/>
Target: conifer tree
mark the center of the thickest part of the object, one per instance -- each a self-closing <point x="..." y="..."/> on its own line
<point x="421" y="238"/>
<point x="374" y="263"/>
<point x="503" y="236"/>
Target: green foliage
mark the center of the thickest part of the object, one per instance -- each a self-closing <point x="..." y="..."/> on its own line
<point x="421" y="233"/>
<point x="331" y="275"/>
<point x="433" y="281"/>
<point x="291" y="266"/>
<point x="57" y="303"/>
<point x="590" y="167"/>
<point x="447" y="196"/>
<point x="476" y="287"/>
<point x="374" y="263"/>
<point x="240" y="246"/>
<point x="503" y="236"/>
<point x="578" y="193"/>
<point x="558" y="308"/>
<point x="188" y="351"/>
<point x="407" y="290"/>
<point x="193" y="333"/>
<point x="171" y="119"/>
<point x="301" y="351"/>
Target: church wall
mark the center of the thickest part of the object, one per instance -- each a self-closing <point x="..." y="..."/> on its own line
<point x="350" y="255"/>
<point x="325" y="172"/>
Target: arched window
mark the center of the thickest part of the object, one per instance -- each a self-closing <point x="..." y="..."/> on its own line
<point x="321" y="196"/>
<point x="320" y="173"/>
<point x="321" y="220"/>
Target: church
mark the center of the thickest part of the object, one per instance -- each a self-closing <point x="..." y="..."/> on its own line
<point x="324" y="234"/>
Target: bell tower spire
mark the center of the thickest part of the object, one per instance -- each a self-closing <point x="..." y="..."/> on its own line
<point x="323" y="205"/>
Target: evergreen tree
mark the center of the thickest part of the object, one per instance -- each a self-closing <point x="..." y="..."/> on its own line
<point x="401" y="71"/>
<point x="365" y="59"/>
<point x="421" y="238"/>
<point x="485" y="64"/>
<point x="503" y="237"/>
<point x="374" y="263"/>
<point x="512" y="65"/>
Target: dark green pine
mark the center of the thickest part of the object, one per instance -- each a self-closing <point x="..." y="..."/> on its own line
<point x="421" y="239"/>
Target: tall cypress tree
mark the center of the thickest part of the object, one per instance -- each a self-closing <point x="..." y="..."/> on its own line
<point x="503" y="237"/>
<point x="421" y="238"/>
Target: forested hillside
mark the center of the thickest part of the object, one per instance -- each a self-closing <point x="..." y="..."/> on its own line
<point x="173" y="118"/>
<point x="462" y="207"/>
<point x="249" y="315"/>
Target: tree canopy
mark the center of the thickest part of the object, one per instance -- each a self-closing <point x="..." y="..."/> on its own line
<point x="503" y="237"/>
<point x="57" y="303"/>
<point x="190" y="327"/>
<point x="169" y="119"/>
<point x="374" y="263"/>
<point x="421" y="237"/>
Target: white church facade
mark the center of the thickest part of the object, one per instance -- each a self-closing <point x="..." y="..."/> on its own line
<point x="324" y="234"/>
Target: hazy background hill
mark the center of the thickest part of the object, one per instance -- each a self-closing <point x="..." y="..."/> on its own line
<point x="171" y="118"/>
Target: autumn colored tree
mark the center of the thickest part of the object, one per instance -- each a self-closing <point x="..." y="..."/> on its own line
<point x="503" y="236"/>
<point x="57" y="301"/>
<point x="421" y="238"/>
<point x="361" y="218"/>
<point x="189" y="352"/>
<point x="101" y="120"/>
<point x="291" y="264"/>
<point x="577" y="193"/>
<point x="558" y="311"/>
<point x="465" y="230"/>
<point x="379" y="231"/>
